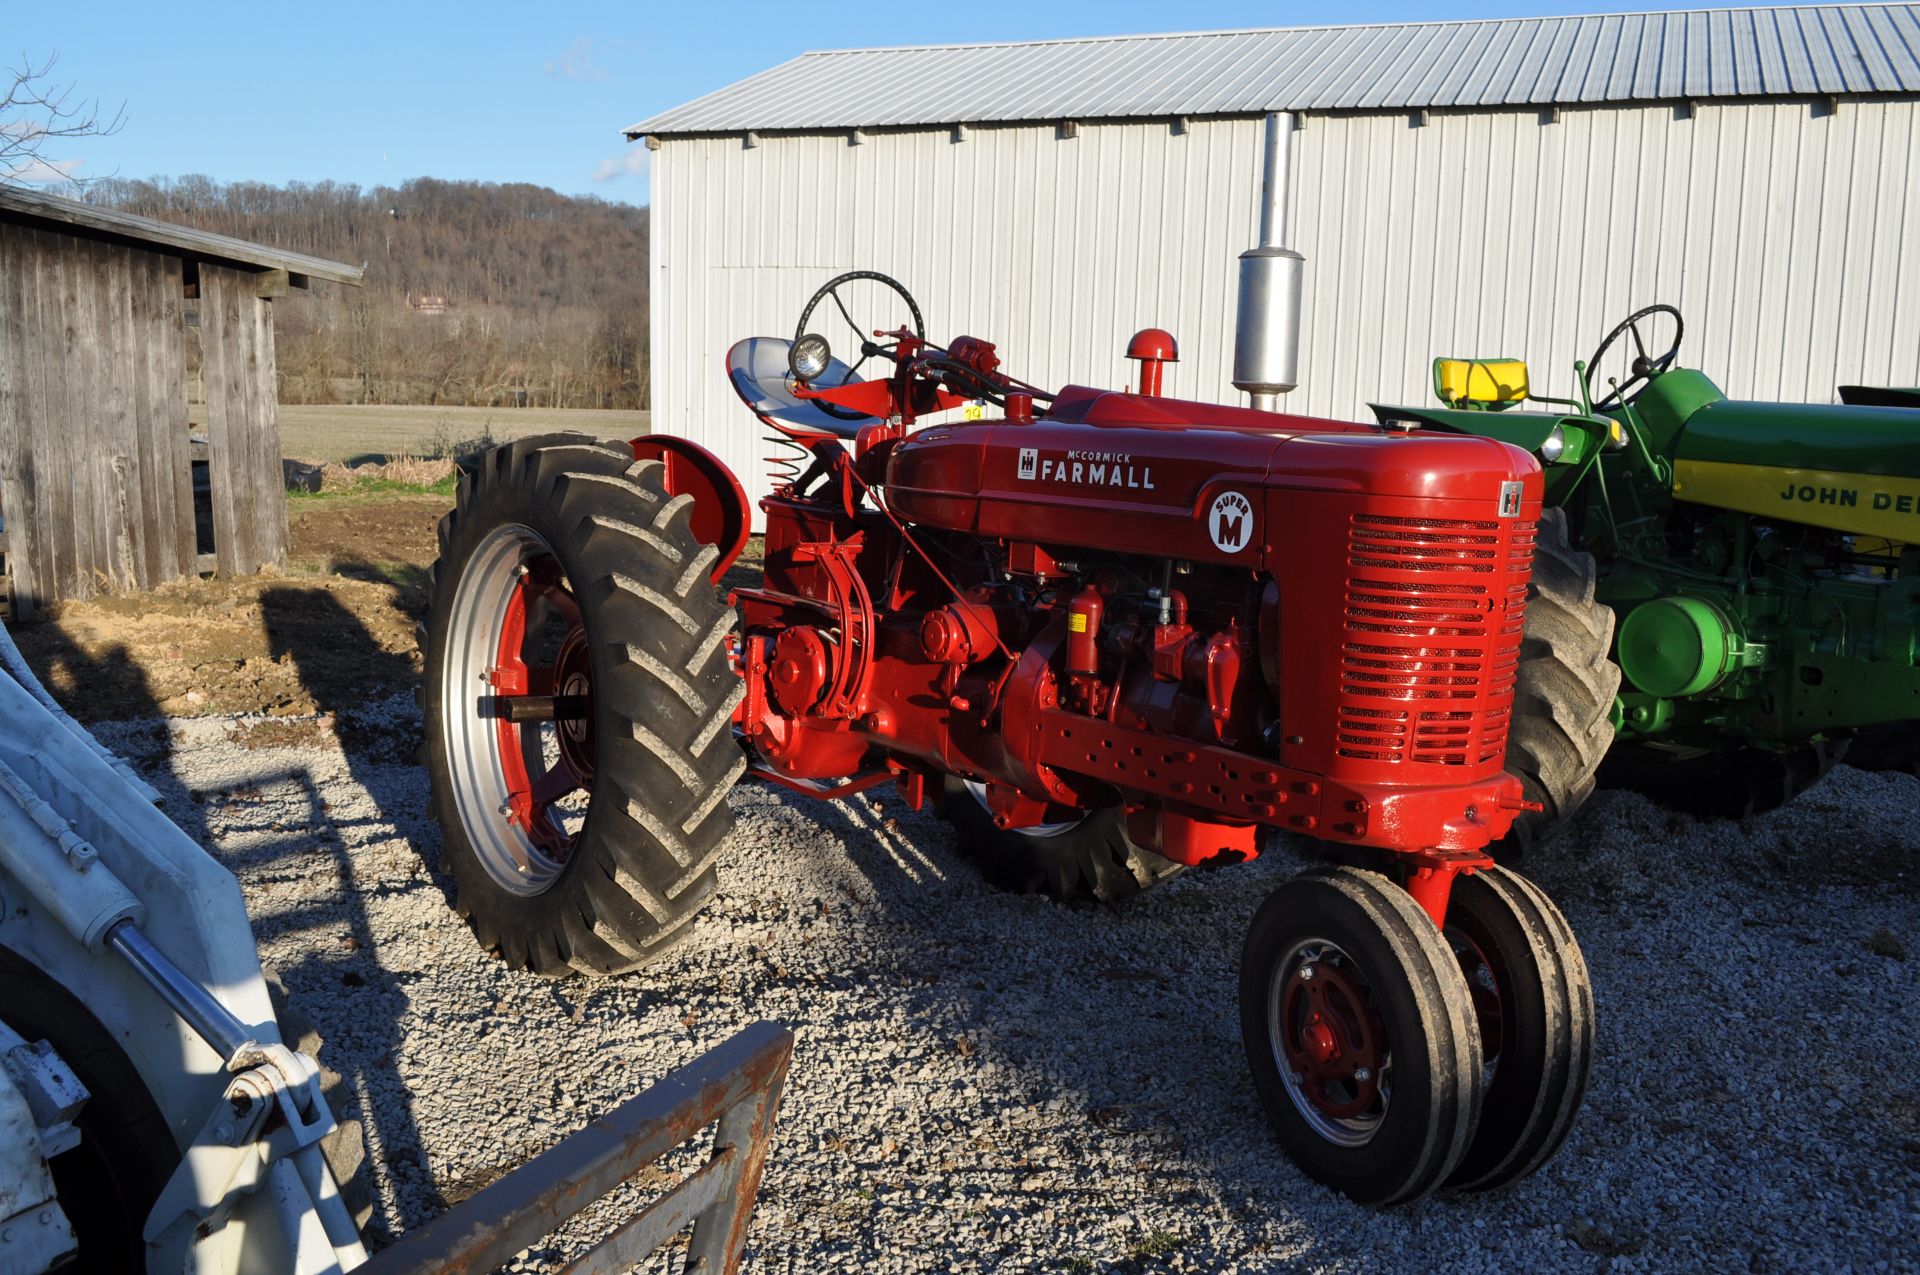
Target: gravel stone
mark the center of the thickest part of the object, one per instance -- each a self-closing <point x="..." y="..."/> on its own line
<point x="984" y="1081"/>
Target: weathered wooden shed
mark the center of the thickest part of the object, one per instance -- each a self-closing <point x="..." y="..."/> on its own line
<point x="97" y="458"/>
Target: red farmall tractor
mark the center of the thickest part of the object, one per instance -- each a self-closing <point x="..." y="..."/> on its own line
<point x="1113" y="635"/>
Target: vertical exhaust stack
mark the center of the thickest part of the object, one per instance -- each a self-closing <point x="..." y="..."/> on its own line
<point x="1266" y="344"/>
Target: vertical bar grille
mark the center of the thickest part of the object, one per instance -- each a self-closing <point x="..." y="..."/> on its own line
<point x="1434" y="612"/>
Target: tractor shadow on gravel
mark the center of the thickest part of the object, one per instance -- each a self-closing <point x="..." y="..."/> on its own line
<point x="109" y="687"/>
<point x="366" y="689"/>
<point x="1064" y="1035"/>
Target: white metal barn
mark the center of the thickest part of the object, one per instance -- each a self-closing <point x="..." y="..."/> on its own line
<point x="1484" y="188"/>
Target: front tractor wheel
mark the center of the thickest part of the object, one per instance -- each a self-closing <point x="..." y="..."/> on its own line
<point x="1534" y="1003"/>
<point x="1361" y="1035"/>
<point x="577" y="697"/>
<point x="1563" y="700"/>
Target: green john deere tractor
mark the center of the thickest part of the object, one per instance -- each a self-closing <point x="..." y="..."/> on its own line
<point x="1761" y="562"/>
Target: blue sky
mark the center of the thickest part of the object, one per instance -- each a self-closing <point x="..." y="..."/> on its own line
<point x="370" y="93"/>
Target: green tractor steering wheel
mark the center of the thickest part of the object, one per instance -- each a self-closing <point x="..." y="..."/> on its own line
<point x="1645" y="368"/>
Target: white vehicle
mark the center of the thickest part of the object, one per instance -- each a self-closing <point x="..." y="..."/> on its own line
<point x="152" y="1114"/>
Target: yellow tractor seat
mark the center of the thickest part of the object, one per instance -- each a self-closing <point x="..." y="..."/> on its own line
<point x="1487" y="384"/>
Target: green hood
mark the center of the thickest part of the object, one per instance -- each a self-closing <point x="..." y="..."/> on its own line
<point x="1851" y="469"/>
<point x="1806" y="436"/>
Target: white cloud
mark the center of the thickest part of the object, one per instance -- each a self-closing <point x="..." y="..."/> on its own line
<point x="42" y="172"/>
<point x="632" y="160"/>
<point x="577" y="62"/>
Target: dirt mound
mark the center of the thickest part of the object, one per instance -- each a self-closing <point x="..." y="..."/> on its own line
<point x="332" y="631"/>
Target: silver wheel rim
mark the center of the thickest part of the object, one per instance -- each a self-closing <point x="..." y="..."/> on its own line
<point x="472" y="744"/>
<point x="1355" y="1131"/>
<point x="1059" y="829"/>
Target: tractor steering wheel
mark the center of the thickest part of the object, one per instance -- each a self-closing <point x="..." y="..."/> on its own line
<point x="864" y="335"/>
<point x="1644" y="368"/>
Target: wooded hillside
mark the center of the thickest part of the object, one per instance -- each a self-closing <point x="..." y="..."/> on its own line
<point x="476" y="293"/>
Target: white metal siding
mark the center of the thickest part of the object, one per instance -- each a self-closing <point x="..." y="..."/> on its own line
<point x="1785" y="238"/>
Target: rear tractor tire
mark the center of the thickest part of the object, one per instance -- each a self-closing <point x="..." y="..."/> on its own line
<point x="1734" y="783"/>
<point x="578" y="698"/>
<point x="1894" y="746"/>
<point x="1084" y="857"/>
<point x="1563" y="701"/>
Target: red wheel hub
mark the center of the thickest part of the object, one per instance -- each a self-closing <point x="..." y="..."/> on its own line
<point x="1320" y="1043"/>
<point x="529" y="694"/>
<point x="1333" y="1039"/>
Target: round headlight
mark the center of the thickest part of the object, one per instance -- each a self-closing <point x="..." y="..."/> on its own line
<point x="810" y="357"/>
<point x="1554" y="445"/>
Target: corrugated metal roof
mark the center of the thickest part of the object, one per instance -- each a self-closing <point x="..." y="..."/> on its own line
<point x="1702" y="53"/>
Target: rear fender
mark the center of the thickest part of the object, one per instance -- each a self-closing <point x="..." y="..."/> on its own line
<point x="721" y="516"/>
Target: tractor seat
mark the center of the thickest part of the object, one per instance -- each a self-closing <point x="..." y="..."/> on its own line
<point x="1487" y="385"/>
<point x="757" y="370"/>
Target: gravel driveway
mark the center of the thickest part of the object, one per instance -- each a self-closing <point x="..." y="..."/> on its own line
<point x="991" y="1082"/>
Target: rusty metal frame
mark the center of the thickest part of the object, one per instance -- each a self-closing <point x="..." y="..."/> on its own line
<point x="737" y="1084"/>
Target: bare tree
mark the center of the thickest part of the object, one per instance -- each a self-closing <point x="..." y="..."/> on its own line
<point x="37" y="114"/>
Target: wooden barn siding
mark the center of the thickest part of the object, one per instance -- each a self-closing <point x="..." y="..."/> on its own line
<point x="243" y="421"/>
<point x="95" y="463"/>
<point x="96" y="488"/>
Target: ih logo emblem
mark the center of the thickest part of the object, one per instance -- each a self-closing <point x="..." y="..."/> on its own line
<point x="1510" y="499"/>
<point x="1231" y="522"/>
<point x="1029" y="462"/>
